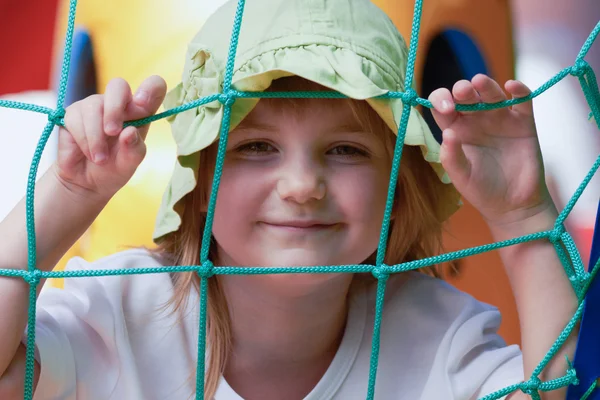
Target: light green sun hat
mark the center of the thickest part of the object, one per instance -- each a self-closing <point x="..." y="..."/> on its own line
<point x="350" y="46"/>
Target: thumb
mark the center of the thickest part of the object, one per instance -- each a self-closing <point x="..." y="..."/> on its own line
<point x="131" y="151"/>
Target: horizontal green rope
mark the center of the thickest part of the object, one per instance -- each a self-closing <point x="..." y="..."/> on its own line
<point x="336" y="95"/>
<point x="25" y="107"/>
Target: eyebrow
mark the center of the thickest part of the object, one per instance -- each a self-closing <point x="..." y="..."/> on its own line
<point x="348" y="128"/>
<point x="255" y="125"/>
<point x="252" y="125"/>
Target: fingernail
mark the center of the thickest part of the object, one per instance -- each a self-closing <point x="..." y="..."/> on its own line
<point x="99" y="157"/>
<point x="111" y="127"/>
<point x="141" y="96"/>
<point x="131" y="140"/>
<point x="445" y="105"/>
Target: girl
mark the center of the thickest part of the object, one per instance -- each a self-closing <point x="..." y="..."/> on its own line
<point x="304" y="183"/>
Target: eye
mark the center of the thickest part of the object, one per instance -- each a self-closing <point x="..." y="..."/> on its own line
<point x="255" y="148"/>
<point x="348" y="151"/>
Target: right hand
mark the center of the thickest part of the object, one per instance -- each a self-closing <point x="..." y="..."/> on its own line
<point x="96" y="156"/>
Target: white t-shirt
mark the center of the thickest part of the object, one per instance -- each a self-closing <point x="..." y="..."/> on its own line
<point x="106" y="338"/>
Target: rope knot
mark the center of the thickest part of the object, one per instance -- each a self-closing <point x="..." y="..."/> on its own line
<point x="580" y="68"/>
<point x="227" y="99"/>
<point x="380" y="271"/>
<point x="531" y="386"/>
<point x="410" y="96"/>
<point x="206" y="270"/>
<point x="556" y="233"/>
<point x="57" y="117"/>
<point x="572" y="374"/>
<point x="579" y="281"/>
<point x="33" y="277"/>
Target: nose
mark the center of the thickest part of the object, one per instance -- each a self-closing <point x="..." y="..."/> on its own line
<point x="301" y="181"/>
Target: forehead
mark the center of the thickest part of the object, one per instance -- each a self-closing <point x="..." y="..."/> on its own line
<point x="322" y="112"/>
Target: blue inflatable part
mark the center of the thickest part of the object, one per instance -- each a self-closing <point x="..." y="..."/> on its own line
<point x="587" y="354"/>
<point x="82" y="73"/>
<point x="467" y="54"/>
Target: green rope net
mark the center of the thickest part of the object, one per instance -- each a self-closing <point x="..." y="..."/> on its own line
<point x="571" y="260"/>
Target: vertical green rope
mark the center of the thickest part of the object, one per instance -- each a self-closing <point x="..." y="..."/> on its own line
<point x="571" y="203"/>
<point x="379" y="301"/>
<point x="200" y="369"/>
<point x="589" y="85"/>
<point x="587" y="78"/>
<point x="64" y="71"/>
<point x="227" y="101"/>
<point x="589" y="392"/>
<point x="401" y="135"/>
<point x="34" y="278"/>
<point x="589" y="42"/>
<point x="235" y="35"/>
<point x="409" y="98"/>
<point x="414" y="44"/>
<point x="30" y="350"/>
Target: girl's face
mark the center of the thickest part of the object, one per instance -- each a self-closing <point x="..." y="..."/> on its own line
<point x="303" y="186"/>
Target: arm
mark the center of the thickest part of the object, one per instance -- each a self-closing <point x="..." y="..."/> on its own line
<point x="545" y="299"/>
<point x="62" y="216"/>
<point x="494" y="159"/>
<point x="96" y="157"/>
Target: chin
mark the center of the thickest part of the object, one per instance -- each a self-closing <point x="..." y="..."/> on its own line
<point x="299" y="258"/>
<point x="294" y="285"/>
<point x="301" y="285"/>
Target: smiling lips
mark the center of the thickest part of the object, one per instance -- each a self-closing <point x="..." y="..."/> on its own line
<point x="300" y="225"/>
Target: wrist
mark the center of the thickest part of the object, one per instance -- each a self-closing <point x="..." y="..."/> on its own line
<point x="76" y="194"/>
<point x="522" y="261"/>
<point x="537" y="219"/>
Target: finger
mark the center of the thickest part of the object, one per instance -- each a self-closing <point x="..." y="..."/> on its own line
<point x="453" y="158"/>
<point x="443" y="110"/>
<point x="92" y="114"/>
<point x="131" y="151"/>
<point x="488" y="89"/>
<point x="75" y="125"/>
<point x="116" y="98"/>
<point x="72" y="140"/>
<point x="464" y="93"/>
<point x="518" y="89"/>
<point x="147" y="100"/>
<point x="150" y="94"/>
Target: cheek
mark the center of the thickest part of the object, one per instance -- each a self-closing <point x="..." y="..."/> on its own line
<point x="362" y="195"/>
<point x="239" y="199"/>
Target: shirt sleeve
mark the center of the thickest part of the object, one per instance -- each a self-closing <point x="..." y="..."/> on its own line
<point x="81" y="336"/>
<point x="473" y="357"/>
<point x="479" y="361"/>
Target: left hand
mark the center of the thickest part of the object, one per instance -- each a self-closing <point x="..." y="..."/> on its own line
<point x="493" y="157"/>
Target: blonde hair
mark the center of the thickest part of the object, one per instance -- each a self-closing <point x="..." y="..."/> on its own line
<point x="415" y="231"/>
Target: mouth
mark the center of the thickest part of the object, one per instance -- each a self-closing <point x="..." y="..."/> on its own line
<point x="299" y="226"/>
